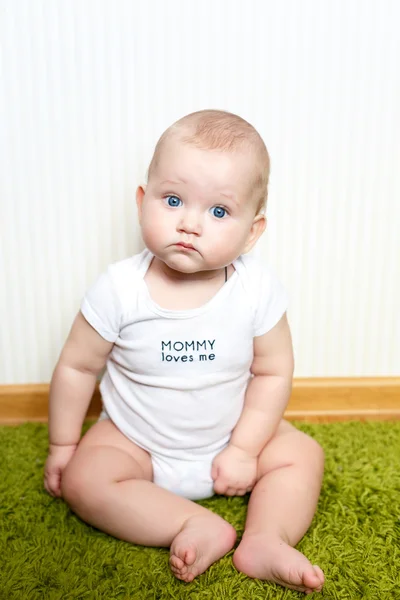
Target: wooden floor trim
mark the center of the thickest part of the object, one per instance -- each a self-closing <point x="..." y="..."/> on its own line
<point x="313" y="400"/>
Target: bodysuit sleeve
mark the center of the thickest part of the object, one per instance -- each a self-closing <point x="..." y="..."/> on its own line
<point x="271" y="301"/>
<point x="101" y="308"/>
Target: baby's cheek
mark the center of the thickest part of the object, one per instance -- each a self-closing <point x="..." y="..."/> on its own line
<point x="152" y="230"/>
<point x="225" y="246"/>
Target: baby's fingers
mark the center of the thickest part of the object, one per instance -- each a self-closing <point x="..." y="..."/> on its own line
<point x="220" y="486"/>
<point x="214" y="472"/>
<point x="52" y="484"/>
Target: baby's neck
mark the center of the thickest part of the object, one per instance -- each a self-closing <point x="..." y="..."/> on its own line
<point x="174" y="290"/>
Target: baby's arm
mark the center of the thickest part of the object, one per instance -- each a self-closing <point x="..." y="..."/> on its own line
<point x="82" y="358"/>
<point x="235" y="468"/>
<point x="269" y="390"/>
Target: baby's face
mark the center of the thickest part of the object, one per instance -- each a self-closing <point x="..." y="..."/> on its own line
<point x="196" y="214"/>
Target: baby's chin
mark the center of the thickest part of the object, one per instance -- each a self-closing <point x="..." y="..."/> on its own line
<point x="187" y="265"/>
<point x="182" y="264"/>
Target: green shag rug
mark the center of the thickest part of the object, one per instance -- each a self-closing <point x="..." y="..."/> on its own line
<point x="46" y="552"/>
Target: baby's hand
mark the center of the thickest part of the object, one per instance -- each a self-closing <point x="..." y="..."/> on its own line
<point x="57" y="460"/>
<point x="234" y="472"/>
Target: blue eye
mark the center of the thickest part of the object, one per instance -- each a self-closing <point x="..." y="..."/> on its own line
<point x="219" y="212"/>
<point x="173" y="201"/>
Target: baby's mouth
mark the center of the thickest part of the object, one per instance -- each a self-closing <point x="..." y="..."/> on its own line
<point x="184" y="246"/>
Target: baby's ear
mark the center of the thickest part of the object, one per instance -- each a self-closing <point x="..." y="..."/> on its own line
<point x="140" y="192"/>
<point x="256" y="231"/>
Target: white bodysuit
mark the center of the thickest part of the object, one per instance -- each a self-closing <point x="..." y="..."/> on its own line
<point x="175" y="380"/>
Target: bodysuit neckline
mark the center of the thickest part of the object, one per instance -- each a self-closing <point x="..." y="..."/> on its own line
<point x="218" y="297"/>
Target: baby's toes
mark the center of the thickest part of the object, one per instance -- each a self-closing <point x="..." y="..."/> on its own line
<point x="177" y="565"/>
<point x="313" y="579"/>
<point x="190" y="556"/>
<point x="176" y="562"/>
<point x="320" y="574"/>
<point x="176" y="572"/>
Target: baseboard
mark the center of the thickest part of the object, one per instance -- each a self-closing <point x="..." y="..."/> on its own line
<point x="313" y="400"/>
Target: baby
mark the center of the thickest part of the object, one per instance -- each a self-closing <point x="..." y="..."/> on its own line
<point x="199" y="363"/>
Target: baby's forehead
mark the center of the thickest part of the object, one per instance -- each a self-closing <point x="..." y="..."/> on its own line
<point x="205" y="171"/>
<point x="178" y="155"/>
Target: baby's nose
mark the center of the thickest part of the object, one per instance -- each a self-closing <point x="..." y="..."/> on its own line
<point x="190" y="222"/>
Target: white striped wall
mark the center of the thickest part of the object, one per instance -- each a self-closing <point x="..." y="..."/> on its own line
<point x="88" y="86"/>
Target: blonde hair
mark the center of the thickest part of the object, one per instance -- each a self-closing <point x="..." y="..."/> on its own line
<point x="224" y="131"/>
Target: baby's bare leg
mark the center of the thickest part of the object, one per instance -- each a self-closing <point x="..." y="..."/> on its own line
<point x="108" y="483"/>
<point x="280" y="511"/>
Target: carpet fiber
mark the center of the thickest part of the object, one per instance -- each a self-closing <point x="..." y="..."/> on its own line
<point x="46" y="552"/>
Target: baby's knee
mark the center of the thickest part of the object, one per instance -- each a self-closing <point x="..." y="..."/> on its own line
<point x="74" y="486"/>
<point x="79" y="484"/>
<point x="310" y="452"/>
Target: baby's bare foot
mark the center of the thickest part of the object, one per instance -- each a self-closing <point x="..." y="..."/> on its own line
<point x="273" y="559"/>
<point x="201" y="541"/>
